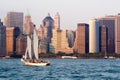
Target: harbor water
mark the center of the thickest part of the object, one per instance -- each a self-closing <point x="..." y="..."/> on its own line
<point x="62" y="69"/>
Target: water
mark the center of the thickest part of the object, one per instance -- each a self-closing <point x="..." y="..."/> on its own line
<point x="61" y="69"/>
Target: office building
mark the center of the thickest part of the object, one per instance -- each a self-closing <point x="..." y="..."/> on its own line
<point x="21" y="44"/>
<point x="109" y="22"/>
<point x="117" y="34"/>
<point x="9" y="40"/>
<point x="71" y="38"/>
<point x="42" y="36"/>
<point x="48" y="22"/>
<point x="57" y="21"/>
<point x="103" y="39"/>
<point x="14" y="19"/>
<point x="93" y="36"/>
<point x="81" y="44"/>
<point x="60" y="42"/>
<point x="2" y="40"/>
<point x="28" y="25"/>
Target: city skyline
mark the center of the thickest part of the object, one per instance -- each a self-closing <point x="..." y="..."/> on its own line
<point x="71" y="12"/>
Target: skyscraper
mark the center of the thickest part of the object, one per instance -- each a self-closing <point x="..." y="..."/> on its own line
<point x="109" y="22"/>
<point x="60" y="42"/>
<point x="81" y="44"/>
<point x="93" y="36"/>
<point x="21" y="44"/>
<point x="14" y="19"/>
<point x="48" y="23"/>
<point x="9" y="40"/>
<point x="2" y="39"/>
<point x="42" y="36"/>
<point x="28" y="25"/>
<point x="117" y="34"/>
<point x="57" y="21"/>
<point x="71" y="37"/>
<point x="103" y="38"/>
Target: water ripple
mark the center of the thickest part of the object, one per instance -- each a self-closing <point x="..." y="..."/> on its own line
<point x="61" y="69"/>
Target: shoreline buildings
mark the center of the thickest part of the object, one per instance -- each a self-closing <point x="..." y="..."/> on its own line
<point x="100" y="35"/>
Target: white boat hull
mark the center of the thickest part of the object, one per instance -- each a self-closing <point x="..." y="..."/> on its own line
<point x="69" y="57"/>
<point x="27" y="63"/>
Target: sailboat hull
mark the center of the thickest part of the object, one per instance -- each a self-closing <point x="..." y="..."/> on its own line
<point x="27" y="63"/>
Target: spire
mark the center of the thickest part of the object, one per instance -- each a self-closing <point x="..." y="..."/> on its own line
<point x="57" y="13"/>
<point x="48" y="14"/>
<point x="27" y="14"/>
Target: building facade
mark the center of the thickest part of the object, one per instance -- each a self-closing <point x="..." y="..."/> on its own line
<point x="42" y="36"/>
<point x="28" y="25"/>
<point x="48" y="22"/>
<point x="21" y="44"/>
<point x="103" y="39"/>
<point x="57" y="21"/>
<point x="9" y="40"/>
<point x="14" y="19"/>
<point x="60" y="42"/>
<point x="81" y="44"/>
<point x="93" y="36"/>
<point x="2" y="39"/>
<point x="109" y="22"/>
<point x="71" y="38"/>
<point x="117" y="34"/>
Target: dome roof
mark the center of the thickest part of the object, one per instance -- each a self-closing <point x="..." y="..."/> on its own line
<point x="48" y="18"/>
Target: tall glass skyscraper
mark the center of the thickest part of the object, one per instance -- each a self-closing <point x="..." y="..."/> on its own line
<point x="93" y="36"/>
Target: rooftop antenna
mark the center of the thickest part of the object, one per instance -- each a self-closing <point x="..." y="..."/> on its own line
<point x="48" y="14"/>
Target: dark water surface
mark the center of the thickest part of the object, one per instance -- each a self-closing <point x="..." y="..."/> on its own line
<point x="61" y="69"/>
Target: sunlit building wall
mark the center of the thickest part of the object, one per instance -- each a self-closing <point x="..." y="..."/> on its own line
<point x="117" y="34"/>
<point x="81" y="44"/>
<point x="9" y="40"/>
<point x="93" y="36"/>
<point x="60" y="42"/>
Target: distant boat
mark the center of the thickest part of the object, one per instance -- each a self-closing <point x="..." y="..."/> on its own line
<point x="111" y="57"/>
<point x="31" y="55"/>
<point x="105" y="57"/>
<point x="69" y="57"/>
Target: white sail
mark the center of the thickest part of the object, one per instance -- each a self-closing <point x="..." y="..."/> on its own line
<point x="26" y="53"/>
<point x="35" y="44"/>
<point x="29" y="47"/>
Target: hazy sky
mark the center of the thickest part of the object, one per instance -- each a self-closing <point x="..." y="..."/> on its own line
<point x="71" y="11"/>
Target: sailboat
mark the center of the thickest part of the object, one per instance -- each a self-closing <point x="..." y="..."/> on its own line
<point x="105" y="57"/>
<point x="31" y="54"/>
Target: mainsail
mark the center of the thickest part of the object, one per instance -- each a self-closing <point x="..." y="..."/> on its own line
<point x="35" y="44"/>
<point x="29" y="47"/>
